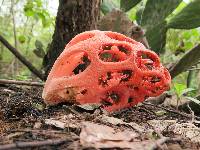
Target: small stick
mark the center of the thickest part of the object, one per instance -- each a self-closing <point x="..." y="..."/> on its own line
<point x="159" y="142"/>
<point x="162" y="141"/>
<point x="32" y="144"/>
<point x="28" y="83"/>
<point x="192" y="113"/>
<point x="172" y="111"/>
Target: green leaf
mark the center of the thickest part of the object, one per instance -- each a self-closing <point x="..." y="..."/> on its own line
<point x="156" y="37"/>
<point x="46" y="23"/>
<point x="132" y="14"/>
<point x="139" y="15"/>
<point x="187" y="90"/>
<point x="38" y="2"/>
<point x="28" y="9"/>
<point x="188" y="60"/>
<point x="39" y="53"/>
<point x="156" y="11"/>
<point x="38" y="44"/>
<point x="153" y="20"/>
<point x="194" y="100"/>
<point x="187" y="18"/>
<point x="179" y="88"/>
<point x="22" y="39"/>
<point x="29" y="13"/>
<point x="41" y="15"/>
<point x="107" y="6"/>
<point x="126" y="5"/>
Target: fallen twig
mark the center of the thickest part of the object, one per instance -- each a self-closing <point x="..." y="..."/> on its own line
<point x="32" y="144"/>
<point x="159" y="142"/>
<point x="173" y="111"/>
<point x="192" y="113"/>
<point x="21" y="58"/>
<point x="4" y="81"/>
<point x="163" y="140"/>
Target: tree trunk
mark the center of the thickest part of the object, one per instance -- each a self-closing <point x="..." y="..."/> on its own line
<point x="73" y="17"/>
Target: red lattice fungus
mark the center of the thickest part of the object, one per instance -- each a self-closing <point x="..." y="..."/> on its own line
<point x="107" y="68"/>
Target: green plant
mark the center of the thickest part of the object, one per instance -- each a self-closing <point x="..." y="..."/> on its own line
<point x="34" y="8"/>
<point x="182" y="91"/>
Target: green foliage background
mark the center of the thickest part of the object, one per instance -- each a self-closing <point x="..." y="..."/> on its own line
<point x="34" y="22"/>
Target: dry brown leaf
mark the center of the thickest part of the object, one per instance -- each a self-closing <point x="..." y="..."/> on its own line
<point x="55" y="123"/>
<point x="102" y="136"/>
<point x="185" y="130"/>
<point x="65" y="121"/>
<point x="116" y="121"/>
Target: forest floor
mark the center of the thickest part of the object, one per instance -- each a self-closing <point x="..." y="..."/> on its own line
<point x="27" y="123"/>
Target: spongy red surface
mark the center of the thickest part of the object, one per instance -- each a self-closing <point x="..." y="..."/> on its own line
<point x="108" y="68"/>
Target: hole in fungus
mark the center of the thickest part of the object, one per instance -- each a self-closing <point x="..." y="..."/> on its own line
<point x="155" y="79"/>
<point x="83" y="92"/>
<point x="107" y="47"/>
<point x="151" y="79"/>
<point x="147" y="60"/>
<point x="83" y="65"/>
<point x="67" y="91"/>
<point x="144" y="56"/>
<point x="114" y="53"/>
<point x="103" y="82"/>
<point x="109" y="75"/>
<point x="108" y="57"/>
<point x="110" y="99"/>
<point x="114" y="97"/>
<point x="123" y="49"/>
<point x="130" y="99"/>
<point x="71" y="65"/>
<point x="121" y="76"/>
<point x="126" y="75"/>
<point x="149" y="66"/>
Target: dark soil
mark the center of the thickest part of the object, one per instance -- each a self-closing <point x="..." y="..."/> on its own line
<point x="22" y="115"/>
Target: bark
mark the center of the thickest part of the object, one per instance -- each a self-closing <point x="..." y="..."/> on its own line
<point x="73" y="17"/>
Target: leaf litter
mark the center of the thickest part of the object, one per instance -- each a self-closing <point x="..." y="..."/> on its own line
<point x="26" y="125"/>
